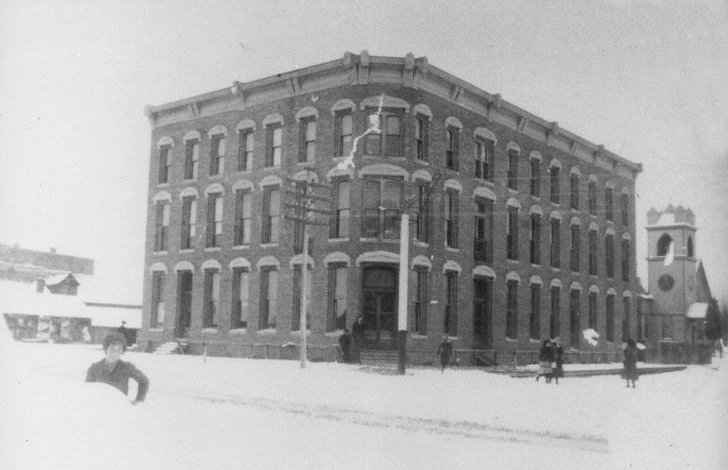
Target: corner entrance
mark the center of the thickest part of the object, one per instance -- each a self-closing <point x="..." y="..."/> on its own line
<point x="379" y="307"/>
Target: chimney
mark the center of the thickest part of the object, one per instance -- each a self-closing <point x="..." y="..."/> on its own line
<point x="53" y="250"/>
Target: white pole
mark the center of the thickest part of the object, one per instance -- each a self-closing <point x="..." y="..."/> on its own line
<point x="403" y="290"/>
<point x="304" y="292"/>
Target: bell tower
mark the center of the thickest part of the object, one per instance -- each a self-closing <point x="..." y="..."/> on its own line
<point x="671" y="258"/>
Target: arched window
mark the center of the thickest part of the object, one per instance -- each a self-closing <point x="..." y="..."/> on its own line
<point x="663" y="245"/>
<point x="690" y="247"/>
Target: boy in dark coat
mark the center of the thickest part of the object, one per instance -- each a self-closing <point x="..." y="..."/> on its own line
<point x="115" y="372"/>
<point x="444" y="351"/>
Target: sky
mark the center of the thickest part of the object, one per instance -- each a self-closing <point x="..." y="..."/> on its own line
<point x="647" y="79"/>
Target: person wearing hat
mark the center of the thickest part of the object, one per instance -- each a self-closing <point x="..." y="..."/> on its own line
<point x="115" y="372"/>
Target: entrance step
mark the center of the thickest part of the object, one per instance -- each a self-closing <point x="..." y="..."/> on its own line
<point x="376" y="357"/>
<point x="170" y="347"/>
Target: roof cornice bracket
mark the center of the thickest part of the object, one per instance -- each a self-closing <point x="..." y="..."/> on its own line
<point x="194" y="109"/>
<point x="552" y="133"/>
<point x="494" y="104"/>
<point x="522" y="123"/>
<point x="408" y="73"/>
<point x="237" y="90"/>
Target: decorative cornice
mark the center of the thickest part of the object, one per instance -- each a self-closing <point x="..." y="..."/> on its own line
<point x="414" y="72"/>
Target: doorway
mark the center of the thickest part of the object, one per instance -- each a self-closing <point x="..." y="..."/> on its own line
<point x="184" y="304"/>
<point x="379" y="307"/>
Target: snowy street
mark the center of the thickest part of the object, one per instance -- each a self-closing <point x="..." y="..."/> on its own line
<point x="228" y="413"/>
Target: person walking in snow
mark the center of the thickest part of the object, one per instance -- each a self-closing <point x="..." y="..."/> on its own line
<point x="545" y="361"/>
<point x="345" y="345"/>
<point x="115" y="372"/>
<point x="558" y="354"/>
<point x="444" y="350"/>
<point x="630" y="363"/>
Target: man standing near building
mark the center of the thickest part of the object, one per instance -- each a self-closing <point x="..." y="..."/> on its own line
<point x="115" y="372"/>
<point x="358" y="336"/>
<point x="444" y="351"/>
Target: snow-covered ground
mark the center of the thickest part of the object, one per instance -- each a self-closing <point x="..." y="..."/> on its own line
<point x="244" y="413"/>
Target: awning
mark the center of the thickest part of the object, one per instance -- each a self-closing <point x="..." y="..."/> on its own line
<point x="697" y="310"/>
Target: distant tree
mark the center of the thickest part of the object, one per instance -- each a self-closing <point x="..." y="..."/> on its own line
<point x="713" y="326"/>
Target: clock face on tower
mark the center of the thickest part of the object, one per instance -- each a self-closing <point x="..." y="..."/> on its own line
<point x="666" y="282"/>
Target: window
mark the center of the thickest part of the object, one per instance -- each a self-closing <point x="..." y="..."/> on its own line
<point x="626" y="319"/>
<point x="482" y="310"/>
<point x="268" y="297"/>
<point x="592" y="198"/>
<point x="691" y="250"/>
<point x="296" y="310"/>
<point x="609" y="202"/>
<point x="389" y="141"/>
<point x="423" y="213"/>
<point x="574" y="321"/>
<point x="535" y="242"/>
<point x="274" y="141"/>
<point x="625" y="259"/>
<point x="245" y="150"/>
<point x="451" y="154"/>
<point x="555" y="243"/>
<point x="575" y="248"/>
<point x="451" y="218"/>
<point x="338" y="297"/>
<point x="214" y="219"/>
<point x="609" y="254"/>
<point x="554" y="323"/>
<point x="307" y="147"/>
<point x="610" y="317"/>
<point x="512" y="309"/>
<point x="342" y="213"/>
<point x="512" y="233"/>
<point x="161" y="232"/>
<point x="164" y="162"/>
<point x="574" y="191"/>
<point x="484" y="151"/>
<point x="241" y="296"/>
<point x="592" y="252"/>
<point x="243" y="213"/>
<point x="422" y="125"/>
<point x="343" y="134"/>
<point x="554" y="177"/>
<point x="513" y="170"/>
<point x="271" y="214"/>
<point x="217" y="154"/>
<point x="534" y="321"/>
<point x="420" y="317"/>
<point x="663" y="245"/>
<point x="157" y="316"/>
<point x="298" y="226"/>
<point x="189" y="222"/>
<point x="625" y="209"/>
<point x="451" y="304"/>
<point x="535" y="180"/>
<point x="381" y="208"/>
<point x="192" y="157"/>
<point x="211" y="298"/>
<point x="483" y="249"/>
<point x="593" y="310"/>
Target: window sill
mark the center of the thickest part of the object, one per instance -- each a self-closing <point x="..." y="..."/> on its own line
<point x="306" y="163"/>
<point x="269" y="245"/>
<point x="556" y="270"/>
<point x="512" y="191"/>
<point x="298" y="332"/>
<point x="338" y="240"/>
<point x="422" y="162"/>
<point x="213" y="248"/>
<point x="393" y="158"/>
<point x="420" y="244"/>
<point x="215" y="177"/>
<point x="377" y="240"/>
<point x="190" y="180"/>
<point x="511" y="340"/>
<point x="271" y="168"/>
<point x="160" y="253"/>
<point x="163" y="185"/>
<point x="535" y="341"/>
<point x="536" y="198"/>
<point x="267" y="332"/>
<point x="334" y="334"/>
<point x="241" y="247"/>
<point x="209" y="330"/>
<point x="156" y="330"/>
<point x="418" y="336"/>
<point x="451" y="249"/>
<point x="238" y="331"/>
<point x="187" y="250"/>
<point x="512" y="261"/>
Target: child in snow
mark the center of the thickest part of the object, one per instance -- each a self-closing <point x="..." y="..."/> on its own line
<point x="115" y="372"/>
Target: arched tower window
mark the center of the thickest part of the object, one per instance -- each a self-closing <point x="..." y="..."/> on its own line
<point x="690" y="247"/>
<point x="663" y="245"/>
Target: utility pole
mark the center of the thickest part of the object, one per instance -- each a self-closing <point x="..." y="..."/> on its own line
<point x="303" y="210"/>
<point x="402" y="305"/>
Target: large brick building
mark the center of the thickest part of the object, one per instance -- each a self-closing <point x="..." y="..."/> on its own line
<point x="527" y="231"/>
